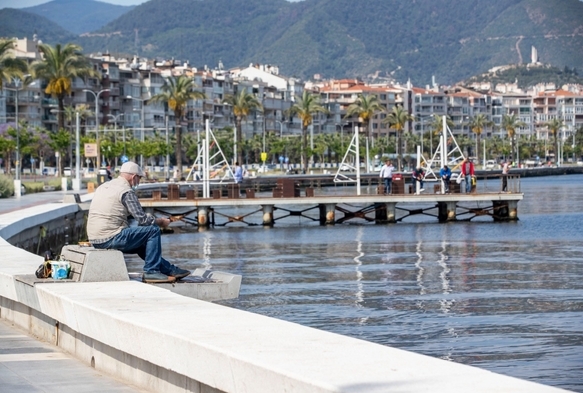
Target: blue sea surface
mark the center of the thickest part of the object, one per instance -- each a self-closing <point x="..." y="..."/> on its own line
<point x="503" y="296"/>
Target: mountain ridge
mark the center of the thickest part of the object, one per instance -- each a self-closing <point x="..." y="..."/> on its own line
<point x="394" y="40"/>
<point x="79" y="16"/>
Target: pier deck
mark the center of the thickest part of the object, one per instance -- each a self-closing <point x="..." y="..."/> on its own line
<point x="372" y="208"/>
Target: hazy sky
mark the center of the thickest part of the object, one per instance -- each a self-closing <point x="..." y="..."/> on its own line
<point x="30" y="3"/>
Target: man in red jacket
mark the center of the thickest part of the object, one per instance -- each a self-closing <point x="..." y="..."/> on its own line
<point x="468" y="173"/>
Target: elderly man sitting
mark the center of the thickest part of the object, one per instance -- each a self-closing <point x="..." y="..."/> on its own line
<point x="108" y="227"/>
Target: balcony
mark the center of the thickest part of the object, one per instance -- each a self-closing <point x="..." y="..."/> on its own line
<point x="50" y="102"/>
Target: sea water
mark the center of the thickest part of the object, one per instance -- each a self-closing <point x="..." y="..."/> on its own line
<point x="506" y="297"/>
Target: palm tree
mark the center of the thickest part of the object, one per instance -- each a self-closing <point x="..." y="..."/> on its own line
<point x="176" y="92"/>
<point x="554" y="126"/>
<point x="397" y="120"/>
<point x="9" y="65"/>
<point x="59" y="66"/>
<point x="243" y="103"/>
<point x="364" y="108"/>
<point x="304" y="107"/>
<point x="477" y="125"/>
<point x="510" y="123"/>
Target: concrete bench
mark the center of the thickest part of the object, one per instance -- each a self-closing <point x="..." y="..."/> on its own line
<point x="90" y="264"/>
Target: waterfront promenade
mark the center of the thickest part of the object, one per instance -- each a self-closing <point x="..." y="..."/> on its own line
<point x="28" y="365"/>
<point x="166" y="342"/>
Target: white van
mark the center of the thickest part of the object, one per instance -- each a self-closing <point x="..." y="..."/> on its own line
<point x="491" y="164"/>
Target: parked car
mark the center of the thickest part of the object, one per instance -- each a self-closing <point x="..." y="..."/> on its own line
<point x="67" y="172"/>
<point x="491" y="164"/>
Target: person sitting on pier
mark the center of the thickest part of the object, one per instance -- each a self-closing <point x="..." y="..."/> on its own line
<point x="445" y="174"/>
<point x="387" y="175"/>
<point x="108" y="227"/>
<point x="418" y="176"/>
<point x="468" y="172"/>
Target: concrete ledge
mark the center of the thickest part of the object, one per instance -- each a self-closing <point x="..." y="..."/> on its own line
<point x="162" y="341"/>
<point x="235" y="351"/>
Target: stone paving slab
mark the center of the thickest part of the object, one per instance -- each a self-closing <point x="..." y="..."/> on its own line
<point x="30" y="366"/>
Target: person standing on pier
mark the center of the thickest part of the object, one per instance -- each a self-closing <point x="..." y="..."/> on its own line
<point x="238" y="173"/>
<point x="505" y="170"/>
<point x="418" y="176"/>
<point x="445" y="174"/>
<point x="468" y="173"/>
<point x="108" y="227"/>
<point x="387" y="175"/>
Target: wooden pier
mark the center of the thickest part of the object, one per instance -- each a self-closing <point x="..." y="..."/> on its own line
<point x="222" y="210"/>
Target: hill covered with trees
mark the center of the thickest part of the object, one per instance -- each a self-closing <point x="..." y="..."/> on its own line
<point x="527" y="76"/>
<point x="372" y="39"/>
<point x="79" y="16"/>
<point x="20" y="24"/>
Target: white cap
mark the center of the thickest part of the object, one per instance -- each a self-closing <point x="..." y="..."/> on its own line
<point x="133" y="168"/>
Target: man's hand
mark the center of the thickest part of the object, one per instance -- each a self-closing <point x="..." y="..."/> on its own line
<point x="162" y="222"/>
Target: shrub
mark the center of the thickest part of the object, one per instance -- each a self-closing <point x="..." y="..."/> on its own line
<point x="6" y="186"/>
<point x="38" y="186"/>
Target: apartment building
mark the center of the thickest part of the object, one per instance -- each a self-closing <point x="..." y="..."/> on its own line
<point x="560" y="104"/>
<point x="338" y="95"/>
<point x="424" y="104"/>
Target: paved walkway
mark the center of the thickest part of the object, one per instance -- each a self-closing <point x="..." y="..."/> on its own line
<point x="28" y="200"/>
<point x="31" y="366"/>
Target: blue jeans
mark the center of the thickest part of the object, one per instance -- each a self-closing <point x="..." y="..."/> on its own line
<point x="144" y="241"/>
<point x="468" y="184"/>
<point x="388" y="181"/>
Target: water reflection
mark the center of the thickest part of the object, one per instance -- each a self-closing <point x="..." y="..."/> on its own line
<point x="506" y="297"/>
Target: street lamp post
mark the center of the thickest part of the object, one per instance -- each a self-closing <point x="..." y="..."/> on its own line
<point x="17" y="182"/>
<point x="167" y="153"/>
<point x="96" y="95"/>
<point x="77" y="179"/>
<point x="422" y="120"/>
<point x="142" y="100"/>
<point x="280" y="128"/>
<point x="115" y="118"/>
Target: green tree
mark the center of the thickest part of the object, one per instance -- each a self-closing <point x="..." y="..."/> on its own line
<point x="397" y="120"/>
<point x="58" y="68"/>
<point x="365" y="107"/>
<point x="242" y="104"/>
<point x="59" y="142"/>
<point x="304" y="107"/>
<point x="10" y="67"/>
<point x="176" y="92"/>
<point x="510" y="123"/>
<point x="554" y="126"/>
<point x="477" y="124"/>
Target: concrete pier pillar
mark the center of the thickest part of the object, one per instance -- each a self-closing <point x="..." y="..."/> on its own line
<point x="268" y="215"/>
<point x="391" y="212"/>
<point x="327" y="214"/>
<point x="203" y="216"/>
<point x="513" y="210"/>
<point x="447" y="211"/>
<point x="505" y="210"/>
<point x="380" y="213"/>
